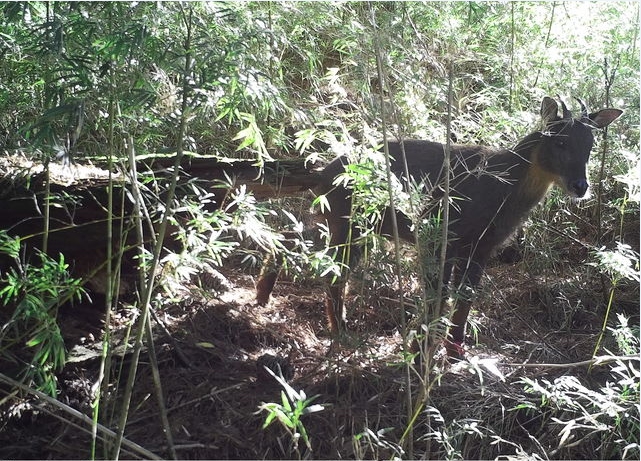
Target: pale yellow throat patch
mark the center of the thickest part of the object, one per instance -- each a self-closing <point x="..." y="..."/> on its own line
<point x="537" y="182"/>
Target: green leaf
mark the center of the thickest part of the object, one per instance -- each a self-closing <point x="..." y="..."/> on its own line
<point x="286" y="404"/>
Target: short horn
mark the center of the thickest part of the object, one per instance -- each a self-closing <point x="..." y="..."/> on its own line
<point x="584" y="108"/>
<point x="566" y="113"/>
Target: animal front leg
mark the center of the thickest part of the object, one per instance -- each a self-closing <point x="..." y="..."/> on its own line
<point x="348" y="255"/>
<point x="454" y="345"/>
<point x="467" y="277"/>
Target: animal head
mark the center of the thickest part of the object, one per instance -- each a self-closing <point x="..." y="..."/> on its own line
<point x="566" y="143"/>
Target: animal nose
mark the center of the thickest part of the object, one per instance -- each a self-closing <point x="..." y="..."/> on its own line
<point x="579" y="187"/>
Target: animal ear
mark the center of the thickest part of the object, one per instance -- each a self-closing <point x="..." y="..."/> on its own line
<point x="604" y="117"/>
<point x="549" y="110"/>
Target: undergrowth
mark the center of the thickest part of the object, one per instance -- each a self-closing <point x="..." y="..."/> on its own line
<point x="31" y="293"/>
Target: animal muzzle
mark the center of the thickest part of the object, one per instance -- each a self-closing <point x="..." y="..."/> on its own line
<point x="578" y="187"/>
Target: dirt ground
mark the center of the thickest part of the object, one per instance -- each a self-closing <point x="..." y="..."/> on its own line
<point x="213" y="398"/>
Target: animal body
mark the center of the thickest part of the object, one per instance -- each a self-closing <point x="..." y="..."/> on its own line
<point x="492" y="191"/>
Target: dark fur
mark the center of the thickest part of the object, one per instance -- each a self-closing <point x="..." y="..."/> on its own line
<point x="493" y="190"/>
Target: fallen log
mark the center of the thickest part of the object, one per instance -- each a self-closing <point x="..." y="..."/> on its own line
<point x="276" y="178"/>
<point x="77" y="223"/>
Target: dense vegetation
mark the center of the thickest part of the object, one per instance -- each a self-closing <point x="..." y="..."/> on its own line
<point x="101" y="83"/>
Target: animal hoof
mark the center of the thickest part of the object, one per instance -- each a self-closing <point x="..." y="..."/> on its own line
<point x="264" y="287"/>
<point x="455" y="350"/>
<point x="261" y="299"/>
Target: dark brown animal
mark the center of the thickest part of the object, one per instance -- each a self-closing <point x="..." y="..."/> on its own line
<point x="492" y="191"/>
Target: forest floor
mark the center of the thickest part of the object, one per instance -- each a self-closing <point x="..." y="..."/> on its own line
<point x="476" y="409"/>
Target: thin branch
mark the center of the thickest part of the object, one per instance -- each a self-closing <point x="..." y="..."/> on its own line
<point x="392" y="207"/>
<point x="600" y="360"/>
<point x="151" y="282"/>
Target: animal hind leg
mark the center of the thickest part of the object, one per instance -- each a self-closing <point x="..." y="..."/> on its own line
<point x="267" y="279"/>
<point x="350" y="254"/>
<point x="334" y="307"/>
<point x="273" y="264"/>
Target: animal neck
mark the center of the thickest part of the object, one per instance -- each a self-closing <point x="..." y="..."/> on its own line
<point x="535" y="182"/>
